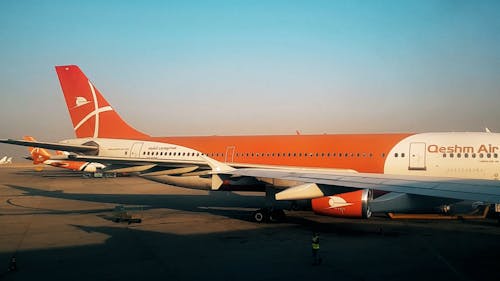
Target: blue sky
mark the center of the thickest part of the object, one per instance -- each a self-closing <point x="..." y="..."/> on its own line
<point x="255" y="67"/>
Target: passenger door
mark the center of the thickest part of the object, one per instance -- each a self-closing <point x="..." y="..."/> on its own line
<point x="417" y="156"/>
<point x="135" y="151"/>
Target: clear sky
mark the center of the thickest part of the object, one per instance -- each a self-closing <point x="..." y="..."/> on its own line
<point x="255" y="67"/>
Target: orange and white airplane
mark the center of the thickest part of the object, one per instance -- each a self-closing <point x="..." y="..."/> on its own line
<point x="338" y="173"/>
<point x="42" y="156"/>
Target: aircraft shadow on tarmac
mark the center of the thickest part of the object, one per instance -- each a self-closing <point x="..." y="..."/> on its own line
<point x="133" y="254"/>
<point x="130" y="253"/>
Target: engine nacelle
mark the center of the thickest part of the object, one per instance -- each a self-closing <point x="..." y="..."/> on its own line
<point x="348" y="205"/>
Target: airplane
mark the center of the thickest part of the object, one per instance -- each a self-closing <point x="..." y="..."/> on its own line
<point x="346" y="175"/>
<point x="6" y="160"/>
<point x="42" y="156"/>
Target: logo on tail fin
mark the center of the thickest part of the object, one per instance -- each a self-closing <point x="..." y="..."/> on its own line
<point x="81" y="101"/>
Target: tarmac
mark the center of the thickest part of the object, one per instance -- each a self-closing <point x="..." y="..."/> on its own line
<point x="59" y="226"/>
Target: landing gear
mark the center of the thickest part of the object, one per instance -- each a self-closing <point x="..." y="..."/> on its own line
<point x="260" y="215"/>
<point x="268" y="215"/>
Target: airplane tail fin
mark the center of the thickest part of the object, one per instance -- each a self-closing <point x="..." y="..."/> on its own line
<point x="39" y="155"/>
<point x="91" y="114"/>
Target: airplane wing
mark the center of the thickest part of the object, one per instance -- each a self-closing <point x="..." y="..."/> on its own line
<point x="487" y="191"/>
<point x="52" y="145"/>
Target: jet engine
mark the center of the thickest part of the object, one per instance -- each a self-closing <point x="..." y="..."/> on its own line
<point x="348" y="205"/>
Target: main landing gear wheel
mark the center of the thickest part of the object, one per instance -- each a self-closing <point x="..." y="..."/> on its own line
<point x="260" y="215"/>
<point x="268" y="215"/>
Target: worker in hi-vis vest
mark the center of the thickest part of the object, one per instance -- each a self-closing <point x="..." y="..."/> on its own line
<point x="315" y="249"/>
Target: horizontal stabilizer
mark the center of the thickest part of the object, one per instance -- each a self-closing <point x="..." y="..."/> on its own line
<point x="52" y="145"/>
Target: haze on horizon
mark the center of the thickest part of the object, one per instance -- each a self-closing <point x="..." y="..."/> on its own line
<point x="254" y="67"/>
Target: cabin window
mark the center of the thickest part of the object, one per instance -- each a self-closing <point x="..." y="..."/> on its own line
<point x="451" y="155"/>
<point x="473" y="155"/>
<point x="402" y="155"/>
<point x="481" y="155"/>
<point x="466" y="155"/>
<point x="488" y="155"/>
<point x="383" y="155"/>
<point x="459" y="155"/>
<point x="395" y="155"/>
<point x="444" y="155"/>
<point x="495" y="155"/>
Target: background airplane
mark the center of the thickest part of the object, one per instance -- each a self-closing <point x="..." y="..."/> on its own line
<point x="42" y="156"/>
<point x="6" y="160"/>
<point x="337" y="173"/>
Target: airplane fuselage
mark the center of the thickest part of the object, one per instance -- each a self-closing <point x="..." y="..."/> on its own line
<point x="458" y="155"/>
